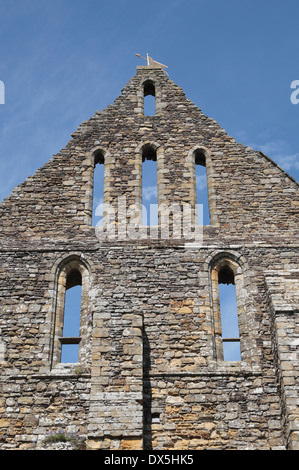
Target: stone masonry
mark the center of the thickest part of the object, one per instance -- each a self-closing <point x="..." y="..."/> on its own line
<point x="151" y="373"/>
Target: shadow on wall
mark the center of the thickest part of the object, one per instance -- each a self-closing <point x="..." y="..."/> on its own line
<point x="147" y="395"/>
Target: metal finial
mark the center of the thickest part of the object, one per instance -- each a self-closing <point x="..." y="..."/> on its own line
<point x="153" y="63"/>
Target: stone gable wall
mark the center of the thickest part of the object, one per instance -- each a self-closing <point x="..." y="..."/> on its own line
<point x="150" y="377"/>
<point x="252" y="197"/>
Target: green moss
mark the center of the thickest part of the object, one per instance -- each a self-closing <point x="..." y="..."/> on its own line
<point x="61" y="436"/>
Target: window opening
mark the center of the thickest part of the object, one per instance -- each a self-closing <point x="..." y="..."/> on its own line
<point x="155" y="417"/>
<point x="202" y="185"/>
<point x="98" y="189"/>
<point x="71" y="320"/>
<point x="149" y="98"/>
<point x="229" y="316"/>
<point x="149" y="186"/>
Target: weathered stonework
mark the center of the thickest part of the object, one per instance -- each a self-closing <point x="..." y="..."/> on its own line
<point x="150" y="372"/>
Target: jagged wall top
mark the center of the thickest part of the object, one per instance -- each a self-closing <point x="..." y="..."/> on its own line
<point x="249" y="195"/>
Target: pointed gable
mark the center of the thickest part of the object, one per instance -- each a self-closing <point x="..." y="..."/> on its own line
<point x="248" y="193"/>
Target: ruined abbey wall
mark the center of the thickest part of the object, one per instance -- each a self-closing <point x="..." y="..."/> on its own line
<point x="150" y="375"/>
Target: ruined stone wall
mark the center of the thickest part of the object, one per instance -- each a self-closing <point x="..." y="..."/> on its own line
<point x="152" y="343"/>
<point x="283" y="298"/>
<point x="149" y="374"/>
<point x="250" y="196"/>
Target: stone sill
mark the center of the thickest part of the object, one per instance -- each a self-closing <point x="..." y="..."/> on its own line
<point x="61" y="371"/>
<point x="214" y="369"/>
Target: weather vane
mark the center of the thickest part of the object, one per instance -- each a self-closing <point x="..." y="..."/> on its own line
<point x="153" y="62"/>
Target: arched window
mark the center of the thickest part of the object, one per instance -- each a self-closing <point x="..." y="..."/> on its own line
<point x="149" y="94"/>
<point x="202" y="185"/>
<point x="228" y="307"/>
<point x="149" y="185"/>
<point x="70" y="338"/>
<point x="71" y="313"/>
<point x="98" y="188"/>
<point x="229" y="315"/>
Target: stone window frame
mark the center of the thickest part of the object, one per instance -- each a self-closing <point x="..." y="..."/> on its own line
<point x="149" y="79"/>
<point x="73" y="262"/>
<point x="160" y="165"/>
<point x="238" y="266"/>
<point x="92" y="156"/>
<point x="210" y="182"/>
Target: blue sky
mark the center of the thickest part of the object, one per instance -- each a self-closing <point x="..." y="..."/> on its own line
<point x="61" y="61"/>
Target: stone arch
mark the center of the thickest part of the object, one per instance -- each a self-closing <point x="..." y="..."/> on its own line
<point x="68" y="271"/>
<point x="229" y="267"/>
<point x="155" y="145"/>
<point x="149" y="86"/>
<point x="145" y="152"/>
<point x="201" y="155"/>
<point x="233" y="255"/>
<point x="149" y="104"/>
<point x="157" y="149"/>
<point x="96" y="155"/>
<point x="99" y="156"/>
<point x="73" y="256"/>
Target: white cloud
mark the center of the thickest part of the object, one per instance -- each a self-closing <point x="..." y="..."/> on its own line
<point x="201" y="182"/>
<point x="288" y="162"/>
<point x="98" y="207"/>
<point x="149" y="192"/>
<point x="277" y="150"/>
